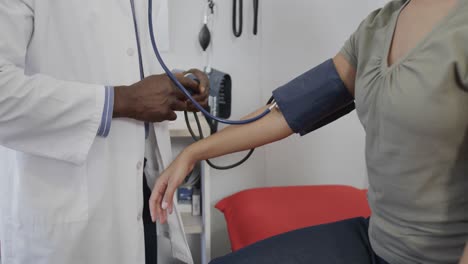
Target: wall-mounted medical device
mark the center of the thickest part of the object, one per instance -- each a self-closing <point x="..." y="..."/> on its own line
<point x="220" y="99"/>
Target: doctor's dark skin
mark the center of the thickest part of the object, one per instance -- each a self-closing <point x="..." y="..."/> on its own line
<point x="156" y="98"/>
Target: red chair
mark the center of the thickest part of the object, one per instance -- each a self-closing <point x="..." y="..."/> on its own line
<point x="256" y="214"/>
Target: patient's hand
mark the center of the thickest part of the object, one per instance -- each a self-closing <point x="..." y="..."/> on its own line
<point x="161" y="200"/>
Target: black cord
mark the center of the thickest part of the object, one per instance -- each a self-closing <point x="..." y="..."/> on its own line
<point x="200" y="131"/>
<point x="237" y="32"/>
<point x="195" y="138"/>
<point x="255" y="29"/>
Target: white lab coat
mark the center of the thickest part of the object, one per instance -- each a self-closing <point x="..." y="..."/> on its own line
<point x="67" y="196"/>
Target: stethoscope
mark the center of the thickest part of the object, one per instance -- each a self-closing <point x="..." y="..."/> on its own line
<point x="184" y="90"/>
<point x="237" y="20"/>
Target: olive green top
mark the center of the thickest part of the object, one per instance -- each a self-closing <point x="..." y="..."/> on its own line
<point x="415" y="114"/>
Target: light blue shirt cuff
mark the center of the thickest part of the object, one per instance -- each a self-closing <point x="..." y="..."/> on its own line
<point x="106" y="119"/>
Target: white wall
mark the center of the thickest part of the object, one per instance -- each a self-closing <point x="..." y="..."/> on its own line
<point x="298" y="35"/>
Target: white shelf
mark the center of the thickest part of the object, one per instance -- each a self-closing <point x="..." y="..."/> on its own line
<point x="192" y="224"/>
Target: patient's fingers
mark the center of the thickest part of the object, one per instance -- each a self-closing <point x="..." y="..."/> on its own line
<point x="168" y="196"/>
<point x="156" y="197"/>
<point x="165" y="188"/>
<point x="153" y="209"/>
<point x="163" y="216"/>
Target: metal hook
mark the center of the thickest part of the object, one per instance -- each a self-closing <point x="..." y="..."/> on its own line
<point x="211" y="5"/>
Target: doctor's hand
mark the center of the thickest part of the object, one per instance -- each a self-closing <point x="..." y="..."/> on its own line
<point x="203" y="90"/>
<point x="161" y="200"/>
<point x="154" y="99"/>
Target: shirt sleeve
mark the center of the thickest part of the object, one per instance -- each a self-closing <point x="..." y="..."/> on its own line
<point x="351" y="47"/>
<point x="41" y="115"/>
<point x="350" y="51"/>
<point x="107" y="112"/>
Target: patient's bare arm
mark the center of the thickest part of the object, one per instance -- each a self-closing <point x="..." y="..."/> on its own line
<point x="271" y="128"/>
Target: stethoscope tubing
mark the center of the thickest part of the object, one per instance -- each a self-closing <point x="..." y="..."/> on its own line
<point x="182" y="88"/>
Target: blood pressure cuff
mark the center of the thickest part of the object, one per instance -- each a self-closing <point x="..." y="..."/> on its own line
<point x="314" y="99"/>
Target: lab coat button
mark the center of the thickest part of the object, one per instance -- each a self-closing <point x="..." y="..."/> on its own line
<point x="139" y="217"/>
<point x="139" y="164"/>
<point x="130" y="52"/>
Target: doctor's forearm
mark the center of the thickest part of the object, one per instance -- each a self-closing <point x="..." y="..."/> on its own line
<point x="271" y="128"/>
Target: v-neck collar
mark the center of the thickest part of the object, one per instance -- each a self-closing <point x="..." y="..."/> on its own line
<point x="391" y="35"/>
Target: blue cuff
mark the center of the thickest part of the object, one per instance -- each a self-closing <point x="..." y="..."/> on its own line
<point x="106" y="119"/>
<point x="314" y="99"/>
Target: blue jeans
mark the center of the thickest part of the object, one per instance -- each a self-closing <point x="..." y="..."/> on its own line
<point x="345" y="242"/>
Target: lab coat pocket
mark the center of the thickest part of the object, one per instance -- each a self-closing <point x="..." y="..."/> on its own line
<point x="47" y="243"/>
<point x="50" y="191"/>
